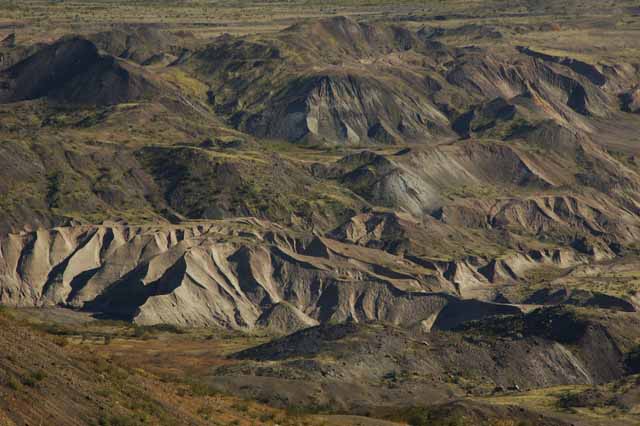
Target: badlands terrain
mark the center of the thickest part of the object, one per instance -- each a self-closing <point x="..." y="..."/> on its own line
<point x="319" y="213"/>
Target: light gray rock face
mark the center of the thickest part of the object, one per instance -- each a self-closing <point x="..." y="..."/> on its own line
<point x="239" y="274"/>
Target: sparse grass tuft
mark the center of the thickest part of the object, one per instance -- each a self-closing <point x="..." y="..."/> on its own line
<point x="33" y="378"/>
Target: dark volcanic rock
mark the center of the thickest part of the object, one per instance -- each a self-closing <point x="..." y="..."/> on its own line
<point x="73" y="71"/>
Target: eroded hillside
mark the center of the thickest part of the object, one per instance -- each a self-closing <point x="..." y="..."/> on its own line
<point x="421" y="201"/>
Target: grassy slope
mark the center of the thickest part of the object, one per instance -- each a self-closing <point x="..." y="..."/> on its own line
<point x="154" y="373"/>
<point x="108" y="374"/>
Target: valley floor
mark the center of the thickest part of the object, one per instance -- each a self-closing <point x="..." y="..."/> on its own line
<point x="152" y="374"/>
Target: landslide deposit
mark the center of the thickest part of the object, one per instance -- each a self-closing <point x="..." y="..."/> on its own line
<point x="360" y="366"/>
<point x="238" y="274"/>
<point x="336" y="170"/>
<point x="421" y="214"/>
<point x="342" y="81"/>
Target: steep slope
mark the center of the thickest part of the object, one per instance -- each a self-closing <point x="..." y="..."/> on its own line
<point x="249" y="273"/>
<point x="201" y="182"/>
<point x="237" y="274"/>
<point x="49" y="378"/>
<point x="418" y="181"/>
<point x="72" y="71"/>
<point x="506" y="187"/>
<point x="46" y="182"/>
<point x="44" y="380"/>
<point x="333" y="101"/>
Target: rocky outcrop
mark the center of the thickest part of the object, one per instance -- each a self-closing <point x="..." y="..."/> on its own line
<point x="481" y="276"/>
<point x="630" y="101"/>
<point x="248" y="273"/>
<point x="349" y="109"/>
<point x="547" y="214"/>
<point x="240" y="274"/>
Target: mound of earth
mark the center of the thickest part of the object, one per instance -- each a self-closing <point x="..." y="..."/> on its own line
<point x="73" y="71"/>
<point x="138" y="43"/>
<point x="579" y="298"/>
<point x="547" y="347"/>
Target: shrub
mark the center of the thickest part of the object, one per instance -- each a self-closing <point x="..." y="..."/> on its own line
<point x="34" y="378"/>
<point x="13" y="383"/>
<point x="202" y="389"/>
<point x="241" y="406"/>
<point x="266" y="417"/>
<point x="117" y="421"/>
